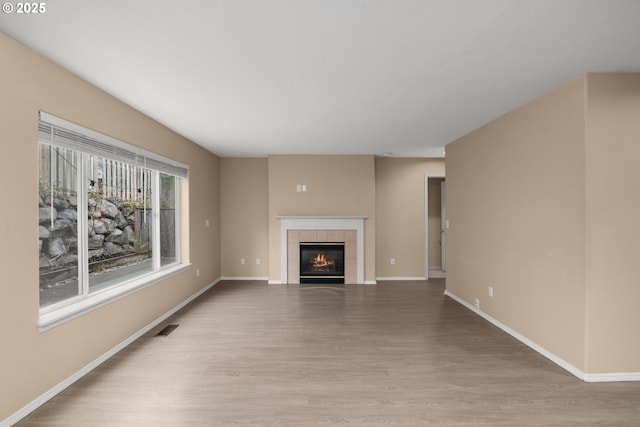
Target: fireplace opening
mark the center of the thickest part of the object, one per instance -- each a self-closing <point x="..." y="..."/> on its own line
<point x="322" y="262"/>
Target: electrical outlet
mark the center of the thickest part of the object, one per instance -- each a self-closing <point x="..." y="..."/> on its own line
<point x="490" y="290"/>
<point x="197" y="272"/>
<point x="258" y="261"/>
<point x="393" y="261"/>
<point x="243" y="261"/>
<point x="477" y="303"/>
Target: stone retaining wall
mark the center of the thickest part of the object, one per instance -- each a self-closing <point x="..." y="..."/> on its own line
<point x="111" y="230"/>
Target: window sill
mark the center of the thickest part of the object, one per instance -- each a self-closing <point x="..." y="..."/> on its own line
<point x="58" y="316"/>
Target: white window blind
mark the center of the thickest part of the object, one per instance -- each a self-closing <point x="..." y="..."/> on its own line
<point x="59" y="132"/>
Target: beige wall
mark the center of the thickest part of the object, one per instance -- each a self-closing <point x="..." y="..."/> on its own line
<point x="244" y="199"/>
<point x="32" y="362"/>
<point x="400" y="216"/>
<point x="516" y="209"/>
<point x="613" y="218"/>
<point x="336" y="185"/>
<point x="543" y="206"/>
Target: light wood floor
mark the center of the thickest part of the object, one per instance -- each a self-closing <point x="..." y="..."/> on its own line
<point x="396" y="353"/>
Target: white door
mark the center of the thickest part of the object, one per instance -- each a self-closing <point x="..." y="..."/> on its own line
<point x="443" y="224"/>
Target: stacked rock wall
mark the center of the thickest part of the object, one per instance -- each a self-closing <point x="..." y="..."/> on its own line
<point x="111" y="230"/>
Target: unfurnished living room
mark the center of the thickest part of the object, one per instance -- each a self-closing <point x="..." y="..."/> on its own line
<point x="320" y="212"/>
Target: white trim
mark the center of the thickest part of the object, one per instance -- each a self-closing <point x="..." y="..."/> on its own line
<point x="274" y="282"/>
<point x="322" y="223"/>
<point x="370" y="282"/>
<point x="263" y="279"/>
<point x="49" y="394"/>
<point x="415" y="278"/>
<point x="620" y="376"/>
<point x="605" y="377"/>
<point x="55" y="315"/>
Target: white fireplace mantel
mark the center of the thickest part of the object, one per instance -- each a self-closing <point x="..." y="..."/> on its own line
<point x="322" y="223"/>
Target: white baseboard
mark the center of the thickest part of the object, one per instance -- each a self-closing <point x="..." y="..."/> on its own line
<point x="264" y="279"/>
<point x="620" y="376"/>
<point x="401" y="278"/>
<point x="274" y="282"/>
<point x="43" y="398"/>
<point x="606" y="377"/>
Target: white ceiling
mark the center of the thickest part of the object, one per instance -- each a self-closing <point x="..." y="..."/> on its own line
<point x="252" y="78"/>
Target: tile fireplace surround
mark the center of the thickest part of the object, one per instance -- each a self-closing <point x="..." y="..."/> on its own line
<point x="296" y="229"/>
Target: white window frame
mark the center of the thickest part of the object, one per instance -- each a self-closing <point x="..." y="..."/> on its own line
<point x="63" y="311"/>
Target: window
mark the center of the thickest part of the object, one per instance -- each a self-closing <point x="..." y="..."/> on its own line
<point x="109" y="217"/>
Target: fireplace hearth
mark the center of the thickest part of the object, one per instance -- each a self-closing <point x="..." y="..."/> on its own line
<point x="322" y="262"/>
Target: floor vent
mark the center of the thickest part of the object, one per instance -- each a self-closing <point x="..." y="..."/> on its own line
<point x="166" y="330"/>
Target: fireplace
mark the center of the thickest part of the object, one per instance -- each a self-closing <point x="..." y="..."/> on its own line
<point x="297" y="229"/>
<point x="322" y="262"/>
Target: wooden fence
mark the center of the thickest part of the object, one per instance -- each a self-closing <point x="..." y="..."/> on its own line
<point x="109" y="178"/>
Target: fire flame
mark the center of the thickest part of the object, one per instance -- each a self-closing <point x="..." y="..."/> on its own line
<point x="321" y="263"/>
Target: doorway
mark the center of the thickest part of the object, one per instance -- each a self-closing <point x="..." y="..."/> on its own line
<point x="435" y="225"/>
